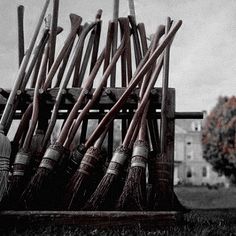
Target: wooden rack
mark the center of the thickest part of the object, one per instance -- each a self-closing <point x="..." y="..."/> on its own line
<point x="103" y="218"/>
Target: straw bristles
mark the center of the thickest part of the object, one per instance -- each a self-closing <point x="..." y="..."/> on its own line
<point x="101" y="198"/>
<point x="5" y="153"/>
<point x="32" y="195"/>
<point x="162" y="196"/>
<point x="133" y="197"/>
<point x="40" y="184"/>
<point x="19" y="177"/>
<point x="15" y="189"/>
<point x="106" y="192"/>
<point x="76" y="187"/>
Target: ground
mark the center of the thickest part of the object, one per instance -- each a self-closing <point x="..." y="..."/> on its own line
<point x="213" y="213"/>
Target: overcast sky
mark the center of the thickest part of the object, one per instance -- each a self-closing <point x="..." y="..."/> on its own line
<point x="203" y="55"/>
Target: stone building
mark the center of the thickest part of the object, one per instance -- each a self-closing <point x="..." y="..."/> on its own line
<point x="190" y="167"/>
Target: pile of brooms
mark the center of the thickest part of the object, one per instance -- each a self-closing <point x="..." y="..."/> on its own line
<point x="73" y="172"/>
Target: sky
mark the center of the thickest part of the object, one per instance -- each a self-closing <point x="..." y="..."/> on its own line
<point x="203" y="55"/>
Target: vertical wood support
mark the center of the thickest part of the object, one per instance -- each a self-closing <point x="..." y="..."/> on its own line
<point x="170" y="140"/>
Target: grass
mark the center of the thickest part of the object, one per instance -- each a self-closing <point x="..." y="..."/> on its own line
<point x="205" y="198"/>
<point x="213" y="213"/>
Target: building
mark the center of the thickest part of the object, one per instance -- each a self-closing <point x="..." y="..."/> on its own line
<point x="190" y="167"/>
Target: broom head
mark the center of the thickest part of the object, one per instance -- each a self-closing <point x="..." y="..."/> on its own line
<point x="5" y="153"/>
<point x="105" y="194"/>
<point x="133" y="197"/>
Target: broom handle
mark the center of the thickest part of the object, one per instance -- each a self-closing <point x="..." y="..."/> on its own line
<point x="73" y="132"/>
<point x="39" y="49"/>
<point x="152" y="126"/>
<point x="132" y="9"/>
<point x="92" y="47"/>
<point x="53" y="33"/>
<point x="145" y="82"/>
<point x="64" y="64"/>
<point x="66" y="57"/>
<point x="77" y="105"/>
<point x="61" y="91"/>
<point x="116" y="4"/>
<point x="97" y="40"/>
<point x="145" y="98"/>
<point x="21" y="44"/>
<point x="35" y="112"/>
<point x="112" y="113"/>
<point x="75" y="24"/>
<point x="21" y="71"/>
<point x="142" y="135"/>
<point x="136" y="42"/>
<point x="165" y="83"/>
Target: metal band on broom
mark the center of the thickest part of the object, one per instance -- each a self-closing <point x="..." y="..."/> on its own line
<point x="5" y="151"/>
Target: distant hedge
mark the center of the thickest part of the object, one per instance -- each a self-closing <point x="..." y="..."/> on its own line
<point x="219" y="137"/>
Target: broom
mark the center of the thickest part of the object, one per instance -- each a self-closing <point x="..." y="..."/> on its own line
<point x="79" y="186"/>
<point x="43" y="123"/>
<point x="22" y="160"/>
<point x="163" y="197"/>
<point x="22" y="128"/>
<point x="105" y="188"/>
<point x="55" y="151"/>
<point x="75" y="24"/>
<point x="5" y="150"/>
<point x="133" y="196"/>
<point x="76" y="185"/>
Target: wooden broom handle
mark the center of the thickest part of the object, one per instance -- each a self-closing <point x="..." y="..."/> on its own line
<point x="112" y="113"/>
<point x="21" y="71"/>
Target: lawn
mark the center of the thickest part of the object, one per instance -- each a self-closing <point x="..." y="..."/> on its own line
<point x="205" y="198"/>
<point x="213" y="213"/>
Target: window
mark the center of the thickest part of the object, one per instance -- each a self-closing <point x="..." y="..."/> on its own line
<point x="204" y="172"/>
<point x="189" y="173"/>
<point x="196" y="126"/>
<point x="189" y="156"/>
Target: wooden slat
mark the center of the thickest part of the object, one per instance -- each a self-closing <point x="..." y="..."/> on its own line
<point x="90" y="218"/>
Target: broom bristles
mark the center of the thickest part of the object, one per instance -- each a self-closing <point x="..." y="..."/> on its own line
<point x="32" y="194"/>
<point x="100" y="196"/>
<point x="162" y="196"/>
<point x="3" y="184"/>
<point x="106" y="185"/>
<point x="5" y="153"/>
<point x="74" y="195"/>
<point x="15" y="190"/>
<point x="133" y="197"/>
<point x="76" y="188"/>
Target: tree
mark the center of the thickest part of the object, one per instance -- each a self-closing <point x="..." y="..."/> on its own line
<point x="219" y="137"/>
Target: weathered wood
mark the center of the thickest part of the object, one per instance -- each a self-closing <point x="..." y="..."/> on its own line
<point x="90" y="218"/>
<point x="106" y="101"/>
